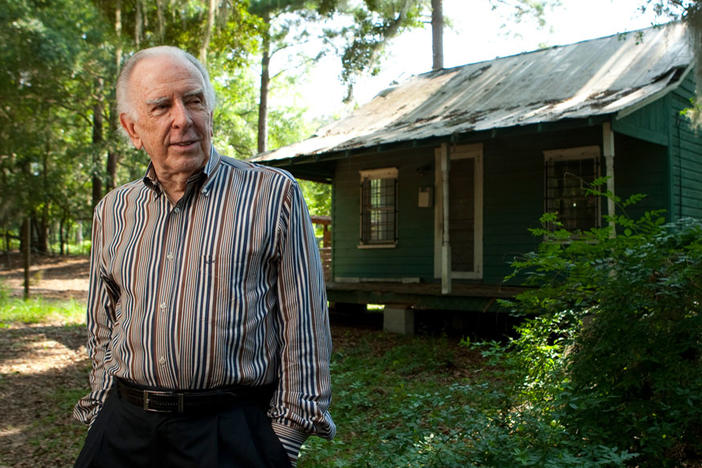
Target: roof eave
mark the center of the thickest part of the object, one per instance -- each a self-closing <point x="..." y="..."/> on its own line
<point x="654" y="96"/>
<point x="456" y="138"/>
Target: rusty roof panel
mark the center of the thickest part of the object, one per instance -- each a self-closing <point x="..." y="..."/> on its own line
<point x="596" y="77"/>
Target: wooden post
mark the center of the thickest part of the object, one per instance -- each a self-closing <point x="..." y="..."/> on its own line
<point x="445" y="238"/>
<point x="608" y="148"/>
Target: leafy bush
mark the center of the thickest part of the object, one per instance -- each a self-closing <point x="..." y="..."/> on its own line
<point x="612" y="342"/>
<point x="396" y="406"/>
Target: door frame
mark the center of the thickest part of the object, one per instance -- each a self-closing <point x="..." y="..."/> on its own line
<point x="475" y="152"/>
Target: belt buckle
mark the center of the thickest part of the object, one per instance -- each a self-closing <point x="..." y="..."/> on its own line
<point x="147" y="400"/>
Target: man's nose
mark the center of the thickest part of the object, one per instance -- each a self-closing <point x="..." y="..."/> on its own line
<point x="181" y="115"/>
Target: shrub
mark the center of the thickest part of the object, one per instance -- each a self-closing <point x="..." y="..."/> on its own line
<point x="612" y="341"/>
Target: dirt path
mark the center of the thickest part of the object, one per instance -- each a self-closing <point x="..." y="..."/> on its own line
<point x="51" y="277"/>
<point x="43" y="369"/>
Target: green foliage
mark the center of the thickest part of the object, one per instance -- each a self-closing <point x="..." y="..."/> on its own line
<point x="396" y="405"/>
<point x="375" y="22"/>
<point x="57" y="117"/>
<point x="398" y="402"/>
<point x="611" y="345"/>
<point x="318" y="197"/>
<point x="13" y="310"/>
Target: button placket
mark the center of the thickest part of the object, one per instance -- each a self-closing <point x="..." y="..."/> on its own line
<point x="166" y="362"/>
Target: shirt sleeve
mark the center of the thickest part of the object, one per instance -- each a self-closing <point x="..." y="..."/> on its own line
<point x="301" y="401"/>
<point x="100" y="311"/>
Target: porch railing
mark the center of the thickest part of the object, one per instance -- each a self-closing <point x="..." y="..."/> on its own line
<point x="324" y="243"/>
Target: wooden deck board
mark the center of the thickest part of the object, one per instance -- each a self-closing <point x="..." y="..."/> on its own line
<point x="427" y="289"/>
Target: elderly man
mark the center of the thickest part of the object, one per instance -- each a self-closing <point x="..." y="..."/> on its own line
<point x="208" y="329"/>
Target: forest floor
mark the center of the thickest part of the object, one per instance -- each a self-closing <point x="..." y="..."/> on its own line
<point x="44" y="366"/>
<point x="51" y="276"/>
<point x="38" y="363"/>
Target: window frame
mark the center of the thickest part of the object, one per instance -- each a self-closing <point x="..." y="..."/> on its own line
<point x="580" y="153"/>
<point x="365" y="222"/>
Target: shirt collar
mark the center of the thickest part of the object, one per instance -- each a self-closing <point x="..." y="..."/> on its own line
<point x="150" y="179"/>
<point x="210" y="169"/>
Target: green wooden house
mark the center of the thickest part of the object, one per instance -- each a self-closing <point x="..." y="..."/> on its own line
<point x="436" y="180"/>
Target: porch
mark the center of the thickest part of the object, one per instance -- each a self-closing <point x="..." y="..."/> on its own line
<point x="464" y="296"/>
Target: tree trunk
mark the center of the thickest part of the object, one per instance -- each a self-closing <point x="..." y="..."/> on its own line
<point x="7" y="250"/>
<point x="43" y="222"/>
<point x="42" y="229"/>
<point x="27" y="237"/>
<point x="161" y="20"/>
<point x="437" y="34"/>
<point x="138" y="29"/>
<point x="265" y="83"/>
<point x="97" y="142"/>
<point x="61" y="238"/>
<point x="111" y="167"/>
<point x="79" y="233"/>
<point x="113" y="156"/>
<point x="118" y="30"/>
<point x="211" y="10"/>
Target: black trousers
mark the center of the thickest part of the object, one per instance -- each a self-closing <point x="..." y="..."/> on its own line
<point x="125" y="436"/>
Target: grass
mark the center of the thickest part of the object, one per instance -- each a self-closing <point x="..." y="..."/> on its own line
<point x="72" y="248"/>
<point x="436" y="402"/>
<point x="398" y="401"/>
<point x="37" y="310"/>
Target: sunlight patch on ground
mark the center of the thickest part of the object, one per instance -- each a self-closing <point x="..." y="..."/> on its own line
<point x="46" y="355"/>
<point x="50" y="284"/>
<point x="11" y="430"/>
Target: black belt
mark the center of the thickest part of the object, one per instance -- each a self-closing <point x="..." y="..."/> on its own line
<point x="187" y="401"/>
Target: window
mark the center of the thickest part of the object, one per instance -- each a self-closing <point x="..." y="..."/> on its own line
<point x="568" y="173"/>
<point x="379" y="207"/>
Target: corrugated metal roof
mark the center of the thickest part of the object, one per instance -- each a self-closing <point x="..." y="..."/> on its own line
<point x="596" y="77"/>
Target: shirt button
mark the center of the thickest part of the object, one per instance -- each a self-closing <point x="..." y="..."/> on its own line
<point x="176" y="210"/>
<point x="162" y="360"/>
<point x="163" y="305"/>
<point x="169" y="256"/>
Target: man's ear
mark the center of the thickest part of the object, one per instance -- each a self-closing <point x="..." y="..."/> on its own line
<point x="211" y="124"/>
<point x="129" y="126"/>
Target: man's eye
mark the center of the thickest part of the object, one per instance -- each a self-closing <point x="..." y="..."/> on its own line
<point x="194" y="100"/>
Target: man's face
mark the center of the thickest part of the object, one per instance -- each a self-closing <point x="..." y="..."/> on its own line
<point x="173" y="124"/>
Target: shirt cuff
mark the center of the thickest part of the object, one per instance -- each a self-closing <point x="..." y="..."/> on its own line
<point x="291" y="439"/>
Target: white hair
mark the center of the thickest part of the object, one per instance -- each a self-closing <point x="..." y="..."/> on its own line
<point x="124" y="104"/>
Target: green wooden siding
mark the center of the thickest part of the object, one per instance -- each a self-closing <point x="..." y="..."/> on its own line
<point x="414" y="254"/>
<point x="669" y="172"/>
<point x="513" y="201"/>
<point x="640" y="168"/>
<point x="686" y="155"/>
<point x="649" y="123"/>
<point x="514" y="193"/>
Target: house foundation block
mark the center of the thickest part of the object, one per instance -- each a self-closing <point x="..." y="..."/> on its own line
<point x="398" y="320"/>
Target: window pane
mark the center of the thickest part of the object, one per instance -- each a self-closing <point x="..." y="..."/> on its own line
<point x="565" y="192"/>
<point x="378" y="211"/>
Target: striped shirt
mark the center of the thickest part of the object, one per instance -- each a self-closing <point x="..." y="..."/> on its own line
<point x="223" y="288"/>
